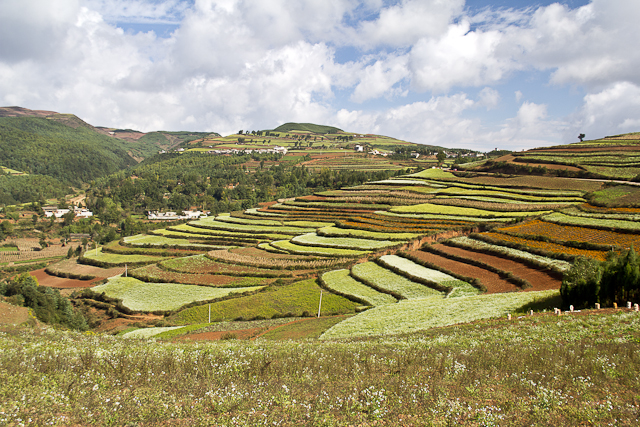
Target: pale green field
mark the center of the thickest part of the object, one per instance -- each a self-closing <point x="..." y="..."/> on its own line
<point x="118" y="259"/>
<point x="248" y="227"/>
<point x="141" y="296"/>
<point x="341" y="282"/>
<point x="449" y="217"/>
<point x="421" y="314"/>
<point x="273" y="222"/>
<point x="312" y="239"/>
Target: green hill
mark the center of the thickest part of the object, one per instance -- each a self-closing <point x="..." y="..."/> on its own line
<point x="309" y="127"/>
<point x="43" y="146"/>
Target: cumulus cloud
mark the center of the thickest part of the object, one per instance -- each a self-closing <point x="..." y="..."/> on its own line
<point x="251" y="64"/>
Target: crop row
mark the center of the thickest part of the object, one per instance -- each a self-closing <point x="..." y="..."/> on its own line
<point x="480" y="264"/>
<point x="441" y="217"/>
<point x="427" y="276"/>
<point x="155" y="274"/>
<point x="522" y="256"/>
<point x="153" y="241"/>
<point x="544" y="247"/>
<point x="593" y="222"/>
<point x="271" y="263"/>
<point x="314" y="240"/>
<point x="475" y="282"/>
<point x="428" y="208"/>
<point x="365" y="234"/>
<point x="152" y="297"/>
<point x="574" y="233"/>
<point x="292" y="248"/>
<point x="336" y="205"/>
<point x="199" y="264"/>
<point x="117" y="247"/>
<point x="107" y="260"/>
<point x="341" y="283"/>
<point x="384" y="280"/>
<point x="208" y="223"/>
<point x="491" y="204"/>
<point x="305" y="225"/>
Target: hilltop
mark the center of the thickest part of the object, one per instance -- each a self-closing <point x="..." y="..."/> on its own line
<point x="307" y="127"/>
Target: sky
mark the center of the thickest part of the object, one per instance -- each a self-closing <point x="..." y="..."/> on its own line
<point x="477" y="74"/>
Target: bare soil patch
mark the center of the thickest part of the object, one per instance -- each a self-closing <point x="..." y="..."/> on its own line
<point x="492" y="281"/>
<point x="13" y="315"/>
<point x="539" y="279"/>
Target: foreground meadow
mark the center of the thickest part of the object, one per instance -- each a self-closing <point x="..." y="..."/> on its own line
<point x="578" y="369"/>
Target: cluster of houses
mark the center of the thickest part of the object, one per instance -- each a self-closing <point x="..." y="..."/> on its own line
<point x="172" y="216"/>
<point x="234" y="151"/>
<point x="50" y="211"/>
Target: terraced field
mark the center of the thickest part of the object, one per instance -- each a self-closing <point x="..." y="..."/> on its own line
<point x="429" y="237"/>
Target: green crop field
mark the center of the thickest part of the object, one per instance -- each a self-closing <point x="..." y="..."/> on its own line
<point x="313" y="240"/>
<point x="143" y="240"/>
<point x="429" y="208"/>
<point x="117" y="259"/>
<point x="342" y="283"/>
<point x="420" y="314"/>
<point x="385" y="280"/>
<point x="141" y="296"/>
<point x="364" y="234"/>
<point x="560" y="218"/>
<point x="292" y="300"/>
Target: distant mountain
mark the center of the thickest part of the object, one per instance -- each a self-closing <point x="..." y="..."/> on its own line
<point x="65" y="147"/>
<point x="308" y="127"/>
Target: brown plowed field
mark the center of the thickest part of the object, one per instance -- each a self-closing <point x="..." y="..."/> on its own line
<point x="492" y="281"/>
<point x="511" y="159"/>
<point x="45" y="279"/>
<point x="539" y="279"/>
<point x="241" y="334"/>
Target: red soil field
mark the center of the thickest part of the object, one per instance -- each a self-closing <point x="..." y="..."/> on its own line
<point x="242" y="334"/>
<point x="189" y="278"/>
<point x="539" y="279"/>
<point x="259" y="253"/>
<point x="45" y="279"/>
<point x="492" y="281"/>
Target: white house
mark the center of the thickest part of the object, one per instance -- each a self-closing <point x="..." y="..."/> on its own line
<point x="359" y="148"/>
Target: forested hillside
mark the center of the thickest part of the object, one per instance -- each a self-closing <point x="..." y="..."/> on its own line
<point x="45" y="147"/>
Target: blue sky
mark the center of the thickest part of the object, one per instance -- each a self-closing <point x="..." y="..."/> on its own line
<point x="477" y="74"/>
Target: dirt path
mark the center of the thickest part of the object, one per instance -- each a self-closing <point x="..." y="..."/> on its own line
<point x="539" y="279"/>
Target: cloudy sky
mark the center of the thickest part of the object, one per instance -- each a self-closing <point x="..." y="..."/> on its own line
<point x="478" y="74"/>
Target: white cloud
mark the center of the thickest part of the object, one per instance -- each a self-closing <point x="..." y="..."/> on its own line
<point x="613" y="110"/>
<point x="461" y="57"/>
<point x="378" y="79"/>
<point x="489" y="98"/>
<point x="518" y="96"/>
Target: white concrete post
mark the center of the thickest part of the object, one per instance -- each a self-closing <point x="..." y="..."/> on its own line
<point x="628" y="304"/>
<point x="597" y="306"/>
<point x="571" y="308"/>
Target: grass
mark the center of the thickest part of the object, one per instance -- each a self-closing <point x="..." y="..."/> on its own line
<point x="141" y="296"/>
<point x="540" y="370"/>
<point x="294" y="300"/>
<point x="8" y="248"/>
<point x="342" y="283"/>
<point x="620" y="195"/>
<point x="387" y="281"/>
<point x="420" y="314"/>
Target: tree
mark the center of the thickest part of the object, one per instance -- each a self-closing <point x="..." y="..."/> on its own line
<point x="581" y="137"/>
<point x="441" y="156"/>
